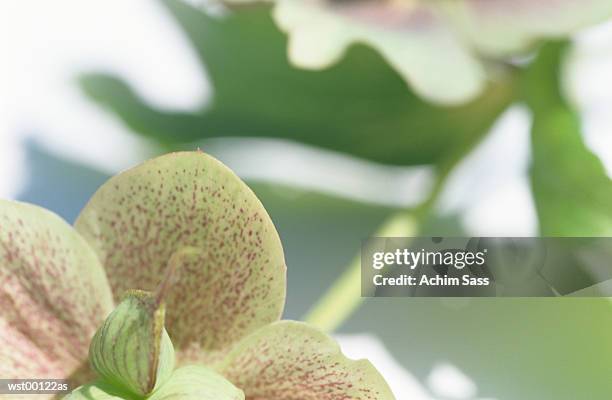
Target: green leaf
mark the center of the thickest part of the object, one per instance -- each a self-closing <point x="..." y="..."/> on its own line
<point x="235" y="283"/>
<point x="290" y="360"/>
<point x="572" y="191"/>
<point x="360" y="106"/>
<point x="53" y="295"/>
<point x="197" y="383"/>
<point x="132" y="350"/>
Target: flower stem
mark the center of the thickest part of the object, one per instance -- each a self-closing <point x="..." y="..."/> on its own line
<point x="345" y="296"/>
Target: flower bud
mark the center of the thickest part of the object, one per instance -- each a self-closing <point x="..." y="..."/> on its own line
<point x="132" y="350"/>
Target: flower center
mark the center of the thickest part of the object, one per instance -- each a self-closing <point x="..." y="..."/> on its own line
<point x="132" y="351"/>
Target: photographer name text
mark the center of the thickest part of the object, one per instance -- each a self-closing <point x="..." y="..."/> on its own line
<point x="413" y="260"/>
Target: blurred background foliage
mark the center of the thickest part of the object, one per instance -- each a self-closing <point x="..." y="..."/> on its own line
<point x="572" y="191"/>
<point x="377" y="118"/>
<point x="511" y="348"/>
<point x="244" y="54"/>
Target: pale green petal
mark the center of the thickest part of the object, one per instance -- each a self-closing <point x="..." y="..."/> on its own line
<point x="435" y="46"/>
<point x="236" y="284"/>
<point x="504" y="27"/>
<point x="293" y="361"/>
<point x="131" y="350"/>
<point x="197" y="383"/>
<point x="53" y="294"/>
<point x="416" y="41"/>
<point x="167" y="360"/>
<point x="97" y="391"/>
<point x="312" y="45"/>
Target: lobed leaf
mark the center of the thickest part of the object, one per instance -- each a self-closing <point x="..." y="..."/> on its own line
<point x="360" y="106"/>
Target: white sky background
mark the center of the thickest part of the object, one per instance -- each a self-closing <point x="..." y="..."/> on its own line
<point x="43" y="47"/>
<point x="45" y="44"/>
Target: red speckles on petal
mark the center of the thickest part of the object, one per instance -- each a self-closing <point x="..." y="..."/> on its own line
<point x="237" y="284"/>
<point x="53" y="294"/>
<point x="293" y="361"/>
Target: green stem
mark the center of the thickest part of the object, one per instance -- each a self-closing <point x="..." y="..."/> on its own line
<point x="345" y="295"/>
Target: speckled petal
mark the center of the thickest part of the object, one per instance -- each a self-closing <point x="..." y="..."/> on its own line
<point x="53" y="294"/>
<point x="233" y="286"/>
<point x="414" y="38"/>
<point x="293" y="361"/>
<point x="502" y="27"/>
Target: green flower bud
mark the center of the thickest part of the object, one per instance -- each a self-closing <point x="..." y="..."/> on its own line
<point x="132" y="350"/>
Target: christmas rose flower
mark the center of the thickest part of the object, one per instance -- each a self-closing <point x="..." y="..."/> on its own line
<point x="170" y="285"/>
<point x="444" y="49"/>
